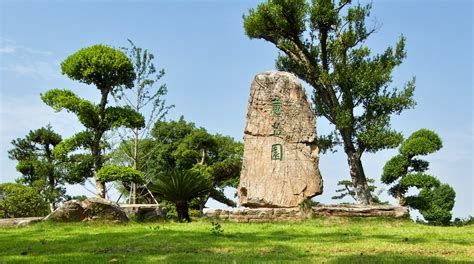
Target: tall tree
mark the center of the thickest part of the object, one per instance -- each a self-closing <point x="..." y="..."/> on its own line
<point x="107" y="69"/>
<point x="184" y="147"/>
<point x="39" y="167"/>
<point x="143" y="96"/>
<point x="325" y="48"/>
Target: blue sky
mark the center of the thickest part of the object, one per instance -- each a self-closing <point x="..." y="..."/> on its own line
<point x="210" y="64"/>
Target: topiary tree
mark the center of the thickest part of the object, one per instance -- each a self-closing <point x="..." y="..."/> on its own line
<point x="435" y="200"/>
<point x="180" y="187"/>
<point x="322" y="42"/>
<point x="38" y="165"/>
<point x="17" y="200"/>
<point x="110" y="173"/>
<point x="109" y="70"/>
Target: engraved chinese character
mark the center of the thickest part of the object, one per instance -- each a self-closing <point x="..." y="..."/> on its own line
<point x="277" y="107"/>
<point x="277" y="152"/>
<point x="276" y="129"/>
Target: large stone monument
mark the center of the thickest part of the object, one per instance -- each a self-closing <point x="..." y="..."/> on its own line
<point x="280" y="164"/>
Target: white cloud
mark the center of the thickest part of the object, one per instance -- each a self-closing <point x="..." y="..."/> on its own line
<point x="10" y="46"/>
<point x="36" y="69"/>
<point x="27" y="61"/>
<point x="7" y="49"/>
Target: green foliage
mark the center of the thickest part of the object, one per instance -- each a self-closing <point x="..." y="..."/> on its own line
<point x="421" y="142"/>
<point x="348" y="190"/>
<point x="394" y="169"/>
<point x="180" y="187"/>
<point x="100" y="65"/>
<point x="216" y="228"/>
<point x="144" y="96"/>
<point x="176" y="186"/>
<point x="322" y="42"/>
<point x="109" y="173"/>
<point x="435" y="200"/>
<point x="439" y="203"/>
<point x="180" y="145"/>
<point x="109" y="70"/>
<point x="89" y="113"/>
<point x="18" y="200"/>
<point x="307" y="204"/>
<point x="463" y="222"/>
<point x="417" y="180"/>
<point x="76" y="197"/>
<point x="38" y="164"/>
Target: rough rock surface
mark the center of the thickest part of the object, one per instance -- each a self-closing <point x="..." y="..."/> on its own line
<point x="295" y="213"/>
<point x="279" y="114"/>
<point x="361" y="210"/>
<point x="144" y="212"/>
<point x="71" y="211"/>
<point x="23" y="221"/>
<point x="92" y="209"/>
<point x="101" y="209"/>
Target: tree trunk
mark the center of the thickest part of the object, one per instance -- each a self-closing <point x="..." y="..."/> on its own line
<point x="98" y="133"/>
<point x="52" y="184"/>
<point x="358" y="178"/>
<point x="183" y="211"/>
<point x="135" y="161"/>
<point x="100" y="188"/>
<point x="203" y="156"/>
<point x="400" y="199"/>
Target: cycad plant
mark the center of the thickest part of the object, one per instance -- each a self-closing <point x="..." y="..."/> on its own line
<point x="180" y="187"/>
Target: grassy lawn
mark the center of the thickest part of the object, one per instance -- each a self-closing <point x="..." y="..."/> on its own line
<point x="327" y="240"/>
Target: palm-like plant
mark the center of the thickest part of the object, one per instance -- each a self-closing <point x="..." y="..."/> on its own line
<point x="180" y="187"/>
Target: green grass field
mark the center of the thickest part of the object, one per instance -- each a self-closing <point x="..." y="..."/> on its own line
<point x="339" y="240"/>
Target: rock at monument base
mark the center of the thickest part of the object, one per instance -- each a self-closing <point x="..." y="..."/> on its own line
<point x="91" y="209"/>
<point x="280" y="161"/>
<point x="296" y="214"/>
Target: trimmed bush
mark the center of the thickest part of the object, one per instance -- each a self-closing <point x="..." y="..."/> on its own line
<point x="18" y="200"/>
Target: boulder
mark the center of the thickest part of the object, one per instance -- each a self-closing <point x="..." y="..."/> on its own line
<point x="144" y="212"/>
<point x="281" y="157"/>
<point x="91" y="209"/>
<point x="71" y="211"/>
<point x="101" y="209"/>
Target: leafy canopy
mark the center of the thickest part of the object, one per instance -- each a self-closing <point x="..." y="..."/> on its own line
<point x="181" y="186"/>
<point x="326" y="49"/>
<point x="109" y="173"/>
<point x="435" y="200"/>
<point x="39" y="166"/>
<point x="17" y="200"/>
<point x="100" y="65"/>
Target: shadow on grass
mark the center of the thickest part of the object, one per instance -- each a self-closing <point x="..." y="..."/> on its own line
<point x="84" y="243"/>
<point x="139" y="246"/>
<point x="384" y="258"/>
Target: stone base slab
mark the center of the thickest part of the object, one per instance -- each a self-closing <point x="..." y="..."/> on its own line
<point x="243" y="214"/>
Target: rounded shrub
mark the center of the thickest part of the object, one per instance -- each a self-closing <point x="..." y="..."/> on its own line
<point x="421" y="142"/>
<point x="18" y="200"/>
<point x="101" y="65"/>
<point x="439" y="203"/>
<point x="110" y="173"/>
